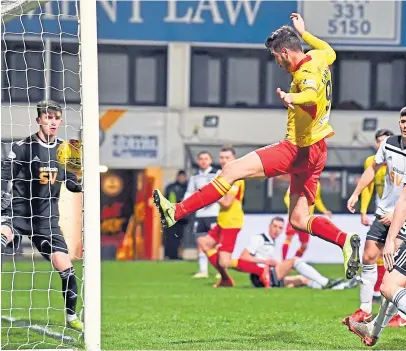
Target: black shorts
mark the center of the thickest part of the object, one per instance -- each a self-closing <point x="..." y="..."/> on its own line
<point x="378" y="231"/>
<point x="46" y="240"/>
<point x="203" y="224"/>
<point x="400" y="259"/>
<point x="275" y="283"/>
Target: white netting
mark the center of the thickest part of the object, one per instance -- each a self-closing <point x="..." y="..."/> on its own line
<point x="40" y="61"/>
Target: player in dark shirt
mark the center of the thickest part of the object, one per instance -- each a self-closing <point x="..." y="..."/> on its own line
<point x="32" y="209"/>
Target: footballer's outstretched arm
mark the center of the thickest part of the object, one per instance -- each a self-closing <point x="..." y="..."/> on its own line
<point x="308" y="96"/>
<point x="367" y="192"/>
<point x="368" y="176"/>
<point x="311" y="40"/>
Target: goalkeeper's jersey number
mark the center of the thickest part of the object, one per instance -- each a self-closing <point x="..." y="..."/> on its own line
<point x="36" y="178"/>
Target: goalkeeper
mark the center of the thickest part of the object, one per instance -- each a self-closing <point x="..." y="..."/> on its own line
<point x="32" y="208"/>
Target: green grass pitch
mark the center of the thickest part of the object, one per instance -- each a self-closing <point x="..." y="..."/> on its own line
<point x="157" y="306"/>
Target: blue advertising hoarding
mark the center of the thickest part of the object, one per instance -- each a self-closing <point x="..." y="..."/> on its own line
<point x="343" y="23"/>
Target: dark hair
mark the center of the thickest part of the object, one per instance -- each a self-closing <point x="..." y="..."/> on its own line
<point x="181" y="172"/>
<point x="284" y="37"/>
<point x="383" y="132"/>
<point x="204" y="152"/>
<point x="277" y="219"/>
<point x="48" y="105"/>
<point x="403" y="112"/>
<point x="228" y="148"/>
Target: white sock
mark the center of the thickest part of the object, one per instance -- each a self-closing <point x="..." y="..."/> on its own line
<point x="369" y="275"/>
<point x="309" y="272"/>
<point x="399" y="299"/>
<point x="71" y="317"/>
<point x="386" y="313"/>
<point x="377" y="294"/>
<point x="314" y="285"/>
<point x="203" y="263"/>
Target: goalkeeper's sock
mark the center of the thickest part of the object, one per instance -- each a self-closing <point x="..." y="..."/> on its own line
<point x="69" y="290"/>
<point x="203" y="197"/>
<point x="71" y="317"/>
<point x="4" y="242"/>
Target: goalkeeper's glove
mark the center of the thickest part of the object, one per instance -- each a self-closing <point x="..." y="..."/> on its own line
<point x="5" y="199"/>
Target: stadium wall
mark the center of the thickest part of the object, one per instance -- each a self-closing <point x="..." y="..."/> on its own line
<point x="135" y="138"/>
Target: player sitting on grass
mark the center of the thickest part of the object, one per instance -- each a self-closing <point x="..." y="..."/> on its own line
<point x="302" y="154"/>
<point x="219" y="242"/>
<point x="393" y="287"/>
<point x="36" y="178"/>
<point x="261" y="251"/>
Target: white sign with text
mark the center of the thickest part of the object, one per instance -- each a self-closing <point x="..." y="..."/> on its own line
<point x="353" y="22"/>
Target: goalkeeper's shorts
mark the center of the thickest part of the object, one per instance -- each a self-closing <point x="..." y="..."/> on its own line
<point x="46" y="240"/>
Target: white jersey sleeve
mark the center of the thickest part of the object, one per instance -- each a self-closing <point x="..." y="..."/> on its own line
<point x="380" y="156"/>
<point x="255" y="245"/>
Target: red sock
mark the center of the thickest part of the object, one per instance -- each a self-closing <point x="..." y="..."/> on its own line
<point x="203" y="197"/>
<point x="249" y="267"/>
<point x="213" y="257"/>
<point x="325" y="229"/>
<point x="300" y="252"/>
<point x="381" y="273"/>
<point x="285" y="248"/>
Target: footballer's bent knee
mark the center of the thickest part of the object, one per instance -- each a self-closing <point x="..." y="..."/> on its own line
<point x="61" y="260"/>
<point x="224" y="262"/>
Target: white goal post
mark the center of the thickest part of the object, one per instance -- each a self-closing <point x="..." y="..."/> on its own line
<point x="89" y="116"/>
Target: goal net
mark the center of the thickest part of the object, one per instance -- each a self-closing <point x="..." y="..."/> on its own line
<point x="42" y="61"/>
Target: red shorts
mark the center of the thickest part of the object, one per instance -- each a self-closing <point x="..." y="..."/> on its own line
<point x="304" y="164"/>
<point x="224" y="236"/>
<point x="303" y="237"/>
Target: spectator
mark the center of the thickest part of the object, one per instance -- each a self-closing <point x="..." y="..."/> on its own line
<point x="173" y="236"/>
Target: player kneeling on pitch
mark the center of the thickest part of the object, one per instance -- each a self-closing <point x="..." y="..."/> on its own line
<point x="32" y="210"/>
<point x="261" y="251"/>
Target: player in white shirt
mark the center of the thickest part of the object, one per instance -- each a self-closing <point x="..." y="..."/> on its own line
<point x="394" y="282"/>
<point x="392" y="153"/>
<point x="261" y="250"/>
